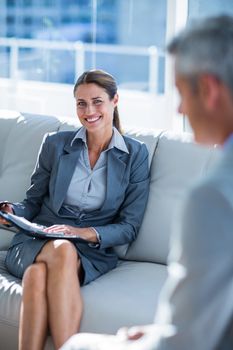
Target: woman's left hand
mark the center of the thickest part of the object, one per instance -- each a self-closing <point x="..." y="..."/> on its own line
<point x="86" y="233"/>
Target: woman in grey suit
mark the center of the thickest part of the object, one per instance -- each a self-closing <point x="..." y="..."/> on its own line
<point x="92" y="183"/>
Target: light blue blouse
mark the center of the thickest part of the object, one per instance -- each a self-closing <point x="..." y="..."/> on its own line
<point x="87" y="188"/>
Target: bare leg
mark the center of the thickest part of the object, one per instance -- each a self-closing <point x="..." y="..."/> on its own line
<point x="33" y="312"/>
<point x="63" y="289"/>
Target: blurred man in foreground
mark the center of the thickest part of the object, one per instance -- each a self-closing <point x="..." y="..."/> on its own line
<point x="196" y="305"/>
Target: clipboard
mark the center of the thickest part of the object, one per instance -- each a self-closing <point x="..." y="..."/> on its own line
<point x="17" y="223"/>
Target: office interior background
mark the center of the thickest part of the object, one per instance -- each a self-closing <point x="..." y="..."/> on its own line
<point x="46" y="44"/>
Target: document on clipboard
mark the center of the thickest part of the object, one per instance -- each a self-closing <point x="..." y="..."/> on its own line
<point x="17" y="223"/>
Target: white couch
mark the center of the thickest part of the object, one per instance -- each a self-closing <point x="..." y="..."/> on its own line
<point x="128" y="294"/>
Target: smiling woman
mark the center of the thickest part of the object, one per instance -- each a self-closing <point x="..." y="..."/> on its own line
<point x="92" y="183"/>
<point x="101" y="89"/>
<point x="96" y="100"/>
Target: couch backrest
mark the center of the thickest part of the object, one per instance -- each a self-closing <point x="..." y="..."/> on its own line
<point x="175" y="162"/>
<point x="21" y="135"/>
<point x="20" y="139"/>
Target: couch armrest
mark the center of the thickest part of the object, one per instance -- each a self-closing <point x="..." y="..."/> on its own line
<point x="5" y="238"/>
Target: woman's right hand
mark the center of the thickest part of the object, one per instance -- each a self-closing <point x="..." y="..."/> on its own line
<point x="7" y="208"/>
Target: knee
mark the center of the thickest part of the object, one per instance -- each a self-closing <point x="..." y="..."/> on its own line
<point x="65" y="254"/>
<point x="34" y="278"/>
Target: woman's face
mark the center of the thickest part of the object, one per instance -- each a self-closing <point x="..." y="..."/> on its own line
<point x="94" y="107"/>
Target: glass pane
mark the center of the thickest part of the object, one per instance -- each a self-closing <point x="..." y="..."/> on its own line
<point x="4" y="62"/>
<point x="202" y="8"/>
<point x="56" y="66"/>
<point x="124" y="23"/>
<point x="124" y="68"/>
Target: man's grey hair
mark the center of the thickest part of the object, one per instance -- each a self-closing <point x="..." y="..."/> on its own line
<point x="206" y="46"/>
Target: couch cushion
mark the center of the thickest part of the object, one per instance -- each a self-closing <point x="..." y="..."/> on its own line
<point x="21" y="136"/>
<point x="125" y="296"/>
<point x="177" y="163"/>
<point x="10" y="296"/>
<point x="150" y="138"/>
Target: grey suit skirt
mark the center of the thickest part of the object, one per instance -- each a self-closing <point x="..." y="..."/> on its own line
<point x="24" y="250"/>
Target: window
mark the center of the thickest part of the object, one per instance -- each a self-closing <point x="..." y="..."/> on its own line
<point x="125" y="37"/>
<point x="202" y="8"/>
<point x="27" y="21"/>
<point x="10" y="20"/>
<point x="10" y="3"/>
<point x="123" y="25"/>
<point x="27" y="3"/>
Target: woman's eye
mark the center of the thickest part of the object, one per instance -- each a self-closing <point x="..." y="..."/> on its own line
<point x="98" y="102"/>
<point x="81" y="104"/>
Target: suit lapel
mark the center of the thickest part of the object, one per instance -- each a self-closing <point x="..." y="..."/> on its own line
<point x="65" y="172"/>
<point x="115" y="172"/>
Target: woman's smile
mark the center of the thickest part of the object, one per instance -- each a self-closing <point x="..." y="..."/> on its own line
<point x="92" y="120"/>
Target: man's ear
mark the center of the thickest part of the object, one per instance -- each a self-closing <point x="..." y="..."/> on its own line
<point x="209" y="87"/>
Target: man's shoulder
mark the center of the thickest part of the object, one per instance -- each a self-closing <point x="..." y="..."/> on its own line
<point x="214" y="188"/>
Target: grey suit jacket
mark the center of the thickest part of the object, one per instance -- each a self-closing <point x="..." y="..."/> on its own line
<point x="197" y="300"/>
<point x="120" y="216"/>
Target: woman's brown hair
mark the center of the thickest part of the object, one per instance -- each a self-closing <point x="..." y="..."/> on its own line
<point x="105" y="81"/>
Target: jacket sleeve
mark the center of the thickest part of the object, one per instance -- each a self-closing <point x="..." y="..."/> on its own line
<point x="125" y="227"/>
<point x="39" y="187"/>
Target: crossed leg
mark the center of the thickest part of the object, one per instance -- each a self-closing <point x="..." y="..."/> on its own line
<point x="51" y="297"/>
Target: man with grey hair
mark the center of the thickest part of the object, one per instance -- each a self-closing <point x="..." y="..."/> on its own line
<point x="196" y="305"/>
